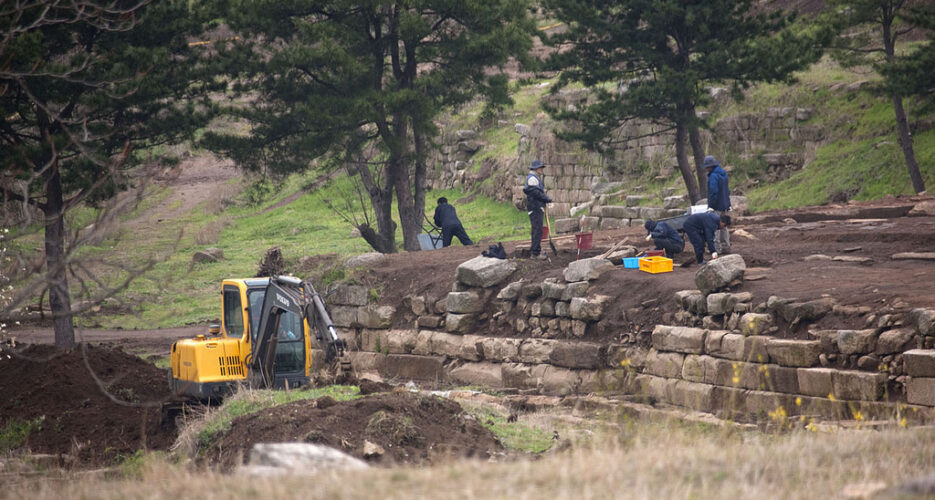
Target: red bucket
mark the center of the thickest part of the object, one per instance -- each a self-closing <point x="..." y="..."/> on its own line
<point x="655" y="253"/>
<point x="584" y="241"/>
<point x="545" y="232"/>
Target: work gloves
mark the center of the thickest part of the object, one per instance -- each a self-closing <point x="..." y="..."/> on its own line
<point x="649" y="237"/>
<point x="713" y="255"/>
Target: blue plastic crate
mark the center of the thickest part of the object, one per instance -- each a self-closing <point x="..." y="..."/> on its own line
<point x="631" y="262"/>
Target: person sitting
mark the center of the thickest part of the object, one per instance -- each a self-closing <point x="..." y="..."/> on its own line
<point x="664" y="237"/>
<point x="701" y="228"/>
<point x="447" y="218"/>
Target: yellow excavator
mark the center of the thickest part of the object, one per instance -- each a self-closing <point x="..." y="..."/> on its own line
<point x="263" y="340"/>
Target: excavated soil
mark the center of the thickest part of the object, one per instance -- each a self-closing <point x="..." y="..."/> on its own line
<point x="410" y="428"/>
<point x="94" y="405"/>
<point x="774" y="246"/>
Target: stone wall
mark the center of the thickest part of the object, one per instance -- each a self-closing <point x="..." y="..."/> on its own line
<point x="722" y="353"/>
<point x="779" y="138"/>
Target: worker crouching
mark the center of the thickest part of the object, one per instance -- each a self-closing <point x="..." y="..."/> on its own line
<point x="664" y="237"/>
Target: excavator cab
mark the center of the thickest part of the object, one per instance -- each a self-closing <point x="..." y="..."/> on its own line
<point x="265" y="340"/>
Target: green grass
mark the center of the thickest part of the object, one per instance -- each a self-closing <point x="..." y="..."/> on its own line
<point x="176" y="292"/>
<point x="16" y="431"/>
<point x="251" y="401"/>
<point x="513" y="435"/>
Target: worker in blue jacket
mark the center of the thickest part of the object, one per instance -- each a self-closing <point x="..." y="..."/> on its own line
<point x="447" y="218"/>
<point x="700" y="229"/>
<point x="718" y="199"/>
<point x="664" y="237"/>
<point x="536" y="200"/>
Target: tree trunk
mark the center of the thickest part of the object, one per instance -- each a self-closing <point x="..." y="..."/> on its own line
<point x="56" y="278"/>
<point x="410" y="195"/>
<point x="905" y="142"/>
<point x="902" y="123"/>
<point x="681" y="155"/>
<point x="694" y="137"/>
<point x="383" y="239"/>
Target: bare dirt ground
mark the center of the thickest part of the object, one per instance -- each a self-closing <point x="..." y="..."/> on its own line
<point x="774" y="245"/>
<point x="411" y="429"/>
<point x="89" y="406"/>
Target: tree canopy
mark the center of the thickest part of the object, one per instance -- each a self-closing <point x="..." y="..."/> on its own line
<point x="651" y="60"/>
<point x="82" y="86"/>
<point x="338" y="79"/>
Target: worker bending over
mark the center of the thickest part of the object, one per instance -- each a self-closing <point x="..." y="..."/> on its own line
<point x="701" y="228"/>
<point x="447" y="218"/>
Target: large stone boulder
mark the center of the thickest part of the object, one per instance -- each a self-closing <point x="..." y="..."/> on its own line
<point x="670" y="202"/>
<point x="894" y="341"/>
<point x="208" y="255"/>
<point x="920" y="362"/>
<point x="366" y="260"/>
<point x="679" y="339"/>
<point x="576" y="355"/>
<point x="347" y="295"/>
<point x="484" y="272"/>
<point x="923" y="320"/>
<point x="795" y="312"/>
<point x="857" y="341"/>
<point x="586" y="269"/>
<point x="268" y="459"/>
<point x="588" y="309"/>
<point x="375" y="316"/>
<point x="464" y="302"/>
<point x="719" y="273"/>
<point x="566" y="225"/>
<point x="753" y="324"/>
<point x="511" y="291"/>
<point x="619" y="212"/>
<point x="460" y="323"/>
<point x="794" y="353"/>
<point x="923" y="208"/>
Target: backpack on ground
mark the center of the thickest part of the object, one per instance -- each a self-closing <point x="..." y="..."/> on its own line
<point x="495" y="251"/>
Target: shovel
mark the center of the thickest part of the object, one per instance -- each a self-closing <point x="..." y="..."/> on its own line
<point x="549" y="225"/>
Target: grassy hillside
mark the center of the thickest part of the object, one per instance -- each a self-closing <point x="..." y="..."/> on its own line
<point x="176" y="292"/>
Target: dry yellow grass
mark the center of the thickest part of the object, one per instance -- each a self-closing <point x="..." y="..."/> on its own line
<point x="645" y="460"/>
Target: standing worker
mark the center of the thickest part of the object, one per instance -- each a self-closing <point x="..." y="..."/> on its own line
<point x="664" y="237"/>
<point x="700" y="229"/>
<point x="535" y="205"/>
<point x="718" y="199"/>
<point x="447" y="218"/>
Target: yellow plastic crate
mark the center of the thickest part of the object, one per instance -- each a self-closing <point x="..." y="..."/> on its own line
<point x="656" y="265"/>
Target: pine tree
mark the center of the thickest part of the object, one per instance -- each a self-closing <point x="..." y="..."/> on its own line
<point x="651" y="60"/>
<point x="904" y="75"/>
<point x="83" y="85"/>
<point x="332" y="79"/>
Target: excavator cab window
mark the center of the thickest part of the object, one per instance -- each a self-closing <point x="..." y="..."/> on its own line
<point x="290" y="347"/>
<point x="233" y="312"/>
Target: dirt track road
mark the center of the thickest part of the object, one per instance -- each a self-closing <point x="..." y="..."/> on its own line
<point x="143" y="342"/>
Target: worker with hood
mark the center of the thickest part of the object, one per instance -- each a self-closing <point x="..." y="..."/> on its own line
<point x="718" y="199"/>
<point x="664" y="237"/>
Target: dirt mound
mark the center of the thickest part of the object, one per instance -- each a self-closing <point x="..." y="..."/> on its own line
<point x="411" y="428"/>
<point x="91" y="421"/>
